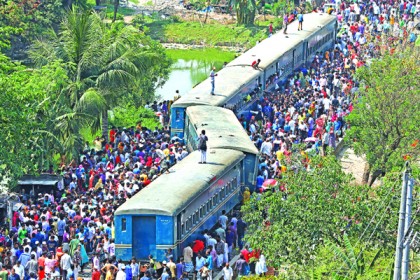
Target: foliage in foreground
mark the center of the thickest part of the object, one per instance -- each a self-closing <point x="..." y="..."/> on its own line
<point x="385" y="121"/>
<point x="108" y="65"/>
<point x="321" y="206"/>
<point x="84" y="70"/>
<point x="29" y="117"/>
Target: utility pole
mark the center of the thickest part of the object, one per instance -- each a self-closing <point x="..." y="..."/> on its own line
<point x="407" y="235"/>
<point x="401" y="225"/>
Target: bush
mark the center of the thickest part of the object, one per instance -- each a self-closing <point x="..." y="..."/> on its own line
<point x="111" y="16"/>
<point x="130" y="115"/>
<point x="176" y="19"/>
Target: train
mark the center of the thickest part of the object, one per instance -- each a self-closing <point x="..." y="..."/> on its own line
<point x="280" y="54"/>
<point x="171" y="211"/>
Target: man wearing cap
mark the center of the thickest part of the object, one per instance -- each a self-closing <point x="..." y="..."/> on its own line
<point x="121" y="273"/>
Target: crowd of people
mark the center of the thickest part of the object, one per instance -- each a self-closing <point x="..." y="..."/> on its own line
<point x="63" y="233"/>
<point x="311" y="107"/>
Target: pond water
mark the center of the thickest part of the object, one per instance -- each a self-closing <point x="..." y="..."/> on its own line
<point x="185" y="74"/>
<point x="190" y="68"/>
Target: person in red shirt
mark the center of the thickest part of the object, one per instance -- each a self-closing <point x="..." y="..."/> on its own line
<point x="112" y="134"/>
<point x="198" y="246"/>
<point x="41" y="273"/>
<point x="245" y="253"/>
<point x="96" y="275"/>
<point x="256" y="63"/>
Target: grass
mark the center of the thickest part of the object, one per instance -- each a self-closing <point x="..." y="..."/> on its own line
<point x="124" y="11"/>
<point x="210" y="34"/>
<point x="213" y="54"/>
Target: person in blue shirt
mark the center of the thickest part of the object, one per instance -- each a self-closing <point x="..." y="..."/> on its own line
<point x="19" y="252"/>
<point x="25" y="257"/>
<point x="180" y="268"/>
<point x="13" y="275"/>
<point x="260" y="181"/>
<point x="300" y="19"/>
<point x="128" y="272"/>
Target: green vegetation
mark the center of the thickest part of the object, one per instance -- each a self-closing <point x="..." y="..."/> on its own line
<point x="323" y="227"/>
<point x="130" y="115"/>
<point x="210" y="34"/>
<point x="206" y="54"/>
<point x="81" y="72"/>
<point x="385" y="121"/>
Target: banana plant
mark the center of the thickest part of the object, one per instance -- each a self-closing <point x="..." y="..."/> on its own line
<point x="355" y="264"/>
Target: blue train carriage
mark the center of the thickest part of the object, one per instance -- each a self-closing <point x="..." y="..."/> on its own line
<point x="284" y="53"/>
<point x="323" y="38"/>
<point x="232" y="85"/>
<point x="171" y="211"/>
<point x="224" y="132"/>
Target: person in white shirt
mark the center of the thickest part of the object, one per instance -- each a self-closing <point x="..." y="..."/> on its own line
<point x="266" y="148"/>
<point x="223" y="220"/>
<point x="227" y="272"/>
<point x="121" y="273"/>
<point x="20" y="270"/>
<point x="65" y="263"/>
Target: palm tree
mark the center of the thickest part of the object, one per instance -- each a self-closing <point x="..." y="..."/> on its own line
<point x="104" y="63"/>
<point x="245" y="11"/>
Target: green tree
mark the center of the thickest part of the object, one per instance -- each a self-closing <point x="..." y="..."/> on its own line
<point x="245" y="11"/>
<point x="321" y="204"/>
<point x="27" y="145"/>
<point x="21" y="20"/>
<point x="106" y="63"/>
<point x="384" y="125"/>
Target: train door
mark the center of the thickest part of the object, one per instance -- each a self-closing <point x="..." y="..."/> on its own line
<point x="305" y="53"/>
<point x="177" y="121"/>
<point x="294" y="59"/>
<point x="144" y="237"/>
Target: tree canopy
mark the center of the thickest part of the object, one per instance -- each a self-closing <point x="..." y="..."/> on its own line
<point x="107" y="64"/>
<point x="384" y="125"/>
<point x="80" y="71"/>
<point x="26" y="100"/>
<point x="316" y="205"/>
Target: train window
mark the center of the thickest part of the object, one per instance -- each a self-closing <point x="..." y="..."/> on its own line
<point x="228" y="188"/>
<point x="223" y="192"/>
<point x="189" y="223"/>
<point x="215" y="200"/>
<point x="201" y="211"/>
<point x="195" y="218"/>
<point x="123" y="224"/>
<point x="182" y="229"/>
<point x="208" y="206"/>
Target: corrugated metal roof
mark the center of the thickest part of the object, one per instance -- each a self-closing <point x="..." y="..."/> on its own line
<point x="43" y="179"/>
<point x="222" y="128"/>
<point x="170" y="192"/>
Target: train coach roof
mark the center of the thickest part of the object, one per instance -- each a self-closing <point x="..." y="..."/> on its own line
<point x="239" y="71"/>
<point x="227" y="82"/>
<point x="270" y="49"/>
<point x="170" y="193"/>
<point x="222" y="127"/>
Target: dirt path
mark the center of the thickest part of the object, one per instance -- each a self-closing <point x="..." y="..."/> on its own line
<point x="353" y="164"/>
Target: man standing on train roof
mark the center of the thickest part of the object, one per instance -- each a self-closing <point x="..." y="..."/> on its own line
<point x="285" y="23"/>
<point x="300" y="20"/>
<point x="202" y="146"/>
<point x="212" y="75"/>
